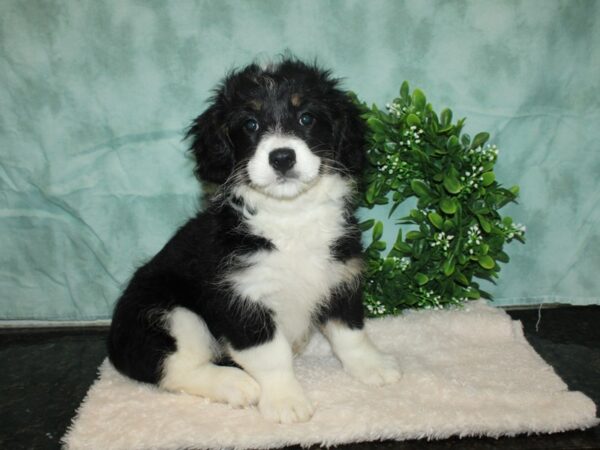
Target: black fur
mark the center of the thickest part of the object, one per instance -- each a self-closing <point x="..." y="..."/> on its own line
<point x="185" y="272"/>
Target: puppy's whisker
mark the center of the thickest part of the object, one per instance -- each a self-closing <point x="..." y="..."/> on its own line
<point x="237" y="177"/>
<point x="335" y="166"/>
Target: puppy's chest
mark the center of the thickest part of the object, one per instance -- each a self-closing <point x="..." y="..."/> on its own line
<point x="300" y="265"/>
<point x="298" y="274"/>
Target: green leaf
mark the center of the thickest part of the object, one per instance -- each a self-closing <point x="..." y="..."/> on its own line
<point x="436" y="220"/>
<point x="419" y="99"/>
<point x="366" y="225"/>
<point x="487" y="262"/>
<point x="376" y="125"/>
<point x="488" y="166"/>
<point x="404" y="90"/>
<point x="514" y="190"/>
<point x="451" y="184"/>
<point x="388" y="265"/>
<point x="399" y="236"/>
<point x="485" y="224"/>
<point x="417" y="215"/>
<point x="372" y="253"/>
<point x="446" y="117"/>
<point x="419" y="155"/>
<point x="393" y="208"/>
<point x="412" y="299"/>
<point x="460" y="278"/>
<point x="420" y="188"/>
<point x="379" y="245"/>
<point x="465" y="140"/>
<point x="377" y="231"/>
<point x="480" y="139"/>
<point x="413" y="119"/>
<point x="412" y="235"/>
<point x="448" y="225"/>
<point x="424" y="202"/>
<point x="448" y="205"/>
<point x="390" y="147"/>
<point x="473" y="294"/>
<point x="452" y="144"/>
<point x="421" y="278"/>
<point x="403" y="247"/>
<point x="449" y="266"/>
<point x="370" y="194"/>
<point x="502" y="257"/>
<point x="485" y="294"/>
<point x="488" y="178"/>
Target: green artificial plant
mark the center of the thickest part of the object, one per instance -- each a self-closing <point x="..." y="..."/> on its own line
<point x="455" y="234"/>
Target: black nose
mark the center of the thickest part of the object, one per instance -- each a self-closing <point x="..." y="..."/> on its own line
<point x="282" y="159"/>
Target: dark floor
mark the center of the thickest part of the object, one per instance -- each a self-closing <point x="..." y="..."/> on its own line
<point x="46" y="373"/>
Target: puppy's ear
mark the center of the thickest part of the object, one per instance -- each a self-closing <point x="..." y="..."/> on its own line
<point x="211" y="146"/>
<point x="350" y="132"/>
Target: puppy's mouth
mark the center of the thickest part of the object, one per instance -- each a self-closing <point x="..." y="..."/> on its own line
<point x="284" y="178"/>
<point x="283" y="166"/>
<point x="286" y="186"/>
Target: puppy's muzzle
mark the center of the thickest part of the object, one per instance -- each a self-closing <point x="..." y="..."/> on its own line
<point x="282" y="159"/>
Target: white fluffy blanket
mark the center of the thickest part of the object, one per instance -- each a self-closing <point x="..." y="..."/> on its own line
<point x="466" y="372"/>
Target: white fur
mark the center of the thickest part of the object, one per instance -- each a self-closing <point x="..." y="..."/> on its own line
<point x="359" y="356"/>
<point x="266" y="179"/>
<point x="282" y="398"/>
<point x="294" y="279"/>
<point x="189" y="368"/>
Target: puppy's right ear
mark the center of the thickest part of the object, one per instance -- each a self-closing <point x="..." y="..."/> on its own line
<point x="211" y="146"/>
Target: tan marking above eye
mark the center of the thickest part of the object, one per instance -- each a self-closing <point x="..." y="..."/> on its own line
<point x="256" y="105"/>
<point x="296" y="99"/>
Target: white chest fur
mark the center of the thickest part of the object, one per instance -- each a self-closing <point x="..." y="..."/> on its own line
<point x="294" y="279"/>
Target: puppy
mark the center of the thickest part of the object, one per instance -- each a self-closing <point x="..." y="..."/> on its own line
<point x="219" y="311"/>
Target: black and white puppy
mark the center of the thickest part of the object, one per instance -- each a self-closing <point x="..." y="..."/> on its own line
<point x="221" y="309"/>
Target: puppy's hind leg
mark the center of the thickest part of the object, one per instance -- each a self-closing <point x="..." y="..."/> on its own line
<point x="189" y="368"/>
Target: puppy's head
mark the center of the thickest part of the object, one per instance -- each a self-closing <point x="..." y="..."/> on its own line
<point x="277" y="130"/>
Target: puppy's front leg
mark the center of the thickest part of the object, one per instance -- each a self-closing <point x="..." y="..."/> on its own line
<point x="343" y="325"/>
<point x="359" y="356"/>
<point x="270" y="364"/>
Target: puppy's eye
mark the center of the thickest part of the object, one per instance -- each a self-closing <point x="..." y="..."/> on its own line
<point x="306" y="119"/>
<point x="251" y="125"/>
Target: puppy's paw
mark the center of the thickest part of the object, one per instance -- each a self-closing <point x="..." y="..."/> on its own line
<point x="285" y="405"/>
<point x="378" y="369"/>
<point x="235" y="387"/>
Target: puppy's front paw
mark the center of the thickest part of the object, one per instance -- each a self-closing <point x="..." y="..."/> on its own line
<point x="378" y="369"/>
<point x="235" y="387"/>
<point x="285" y="405"/>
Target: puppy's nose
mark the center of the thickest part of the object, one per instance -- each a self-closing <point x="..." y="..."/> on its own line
<point x="282" y="159"/>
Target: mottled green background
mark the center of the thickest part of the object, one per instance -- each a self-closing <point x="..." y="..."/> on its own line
<point x="94" y="97"/>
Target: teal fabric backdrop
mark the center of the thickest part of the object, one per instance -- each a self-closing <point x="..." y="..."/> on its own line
<point x="95" y="96"/>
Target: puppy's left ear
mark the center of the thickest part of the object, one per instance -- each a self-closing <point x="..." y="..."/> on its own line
<point x="211" y="146"/>
<point x="350" y="137"/>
